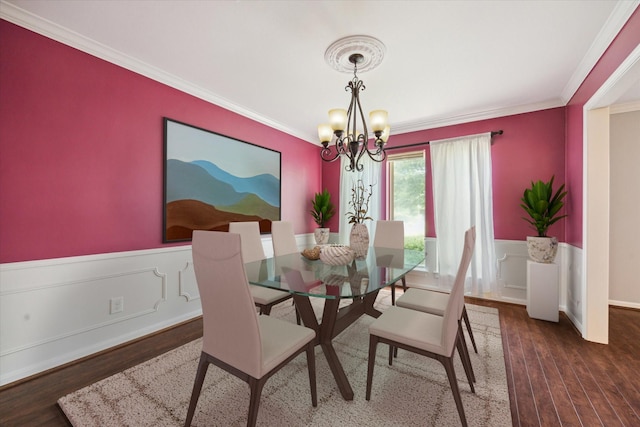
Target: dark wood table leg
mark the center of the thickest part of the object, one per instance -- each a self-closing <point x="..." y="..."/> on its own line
<point x="329" y="316"/>
<point x="327" y="329"/>
<point x="324" y="336"/>
<point x="307" y="315"/>
<point x="369" y="300"/>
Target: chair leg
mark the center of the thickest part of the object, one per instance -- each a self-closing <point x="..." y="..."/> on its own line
<point x="466" y="362"/>
<point x="392" y="350"/>
<point x="311" y="365"/>
<point x="465" y="316"/>
<point x="393" y="294"/>
<point x="404" y="284"/>
<point x="448" y="366"/>
<point x="265" y="309"/>
<point x="254" y="401"/>
<point x="373" y="344"/>
<point x="466" y="349"/>
<point x="203" y="365"/>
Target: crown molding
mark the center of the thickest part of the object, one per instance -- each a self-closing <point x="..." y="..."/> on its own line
<point x="44" y="27"/>
<point x="618" y="17"/>
<point x="431" y="123"/>
<point x="25" y="19"/>
<point x="625" y="108"/>
<point x="618" y="82"/>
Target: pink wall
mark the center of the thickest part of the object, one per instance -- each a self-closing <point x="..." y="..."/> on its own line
<point x="531" y="148"/>
<point x="81" y="163"/>
<point x="625" y="42"/>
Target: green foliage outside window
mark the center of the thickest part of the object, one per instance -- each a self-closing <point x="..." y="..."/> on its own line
<point x="409" y="199"/>
<point x="414" y="242"/>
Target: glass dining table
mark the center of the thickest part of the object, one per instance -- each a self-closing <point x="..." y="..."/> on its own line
<point x="359" y="281"/>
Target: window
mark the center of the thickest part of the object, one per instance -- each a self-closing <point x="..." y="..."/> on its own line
<point x="406" y="174"/>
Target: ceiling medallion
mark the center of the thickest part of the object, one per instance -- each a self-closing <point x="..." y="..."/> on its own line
<point x="372" y="51"/>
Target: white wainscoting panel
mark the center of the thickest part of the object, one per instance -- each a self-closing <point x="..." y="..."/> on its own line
<point x="58" y="310"/>
<point x="573" y="290"/>
<point x="511" y="270"/>
<point x="29" y="310"/>
<point x="187" y="285"/>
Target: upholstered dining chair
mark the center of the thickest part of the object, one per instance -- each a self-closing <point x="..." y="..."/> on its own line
<point x="264" y="298"/>
<point x="390" y="234"/>
<point x="427" y="334"/>
<point x="434" y="302"/>
<point x="283" y="238"/>
<point x="235" y="337"/>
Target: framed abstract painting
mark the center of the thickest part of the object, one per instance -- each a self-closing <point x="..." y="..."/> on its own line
<point x="211" y="180"/>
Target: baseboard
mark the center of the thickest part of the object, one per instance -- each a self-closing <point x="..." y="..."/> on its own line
<point x="625" y="304"/>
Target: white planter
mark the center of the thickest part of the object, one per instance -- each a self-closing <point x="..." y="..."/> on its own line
<point x="542" y="249"/>
<point x="321" y="235"/>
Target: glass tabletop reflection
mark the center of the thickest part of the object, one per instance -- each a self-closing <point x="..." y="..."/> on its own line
<point x="295" y="274"/>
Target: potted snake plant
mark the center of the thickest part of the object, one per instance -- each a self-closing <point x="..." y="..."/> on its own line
<point x="543" y="206"/>
<point x="322" y="210"/>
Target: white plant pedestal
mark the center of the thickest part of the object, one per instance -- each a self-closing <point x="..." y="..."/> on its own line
<point x="542" y="291"/>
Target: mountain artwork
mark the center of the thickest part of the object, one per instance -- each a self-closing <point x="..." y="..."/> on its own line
<point x="212" y="180"/>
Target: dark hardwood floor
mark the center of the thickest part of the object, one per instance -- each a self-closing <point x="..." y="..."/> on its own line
<point x="554" y="376"/>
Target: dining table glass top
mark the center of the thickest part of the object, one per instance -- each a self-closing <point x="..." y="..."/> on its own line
<point x="298" y="275"/>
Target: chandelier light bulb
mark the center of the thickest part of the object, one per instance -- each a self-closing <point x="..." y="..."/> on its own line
<point x="378" y="120"/>
<point x="338" y="119"/>
<point x="325" y="133"/>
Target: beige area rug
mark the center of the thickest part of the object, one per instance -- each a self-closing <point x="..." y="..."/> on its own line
<point x="413" y="392"/>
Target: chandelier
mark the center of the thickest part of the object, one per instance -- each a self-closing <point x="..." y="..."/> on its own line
<point x="349" y="127"/>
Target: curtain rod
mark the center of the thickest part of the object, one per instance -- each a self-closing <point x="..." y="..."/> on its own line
<point x="493" y="133"/>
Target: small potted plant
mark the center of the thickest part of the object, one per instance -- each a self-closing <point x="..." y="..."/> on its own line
<point x="322" y="211"/>
<point x="359" y="237"/>
<point x="543" y="207"/>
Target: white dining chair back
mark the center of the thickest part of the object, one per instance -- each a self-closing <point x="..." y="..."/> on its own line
<point x="390" y="234"/>
<point x="249" y="232"/>
<point x="283" y="238"/>
<point x="456" y="300"/>
<point x="252" y="250"/>
<point x="226" y="300"/>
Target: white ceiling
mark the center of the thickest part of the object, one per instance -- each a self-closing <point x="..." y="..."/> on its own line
<point x="446" y="62"/>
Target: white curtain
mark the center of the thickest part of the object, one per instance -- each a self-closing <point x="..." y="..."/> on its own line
<point x="371" y="175"/>
<point x="463" y="197"/>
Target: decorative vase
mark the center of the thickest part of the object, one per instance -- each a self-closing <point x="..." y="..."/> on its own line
<point x="336" y="254"/>
<point x="321" y="235"/>
<point x="542" y="249"/>
<point x="359" y="240"/>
